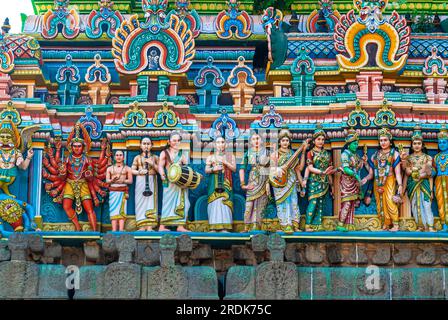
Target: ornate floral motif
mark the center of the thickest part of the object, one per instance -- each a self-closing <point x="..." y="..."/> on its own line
<point x="98" y="72"/>
<point x="104" y="19"/>
<point x="11" y="113"/>
<point x="434" y="65"/>
<point x="233" y="18"/>
<point x="69" y="20"/>
<point x="323" y="19"/>
<point x="6" y="56"/>
<point x="92" y="124"/>
<point x="303" y="64"/>
<point x="353" y="34"/>
<point x="271" y="118"/>
<point x="191" y="18"/>
<point x="135" y="116"/>
<point x="23" y="46"/>
<point x="241" y="71"/>
<point x="224" y="126"/>
<point x="385" y="116"/>
<point x="358" y="116"/>
<point x="165" y="117"/>
<point x="171" y="40"/>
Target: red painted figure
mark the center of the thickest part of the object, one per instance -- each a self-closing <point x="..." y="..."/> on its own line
<point x="77" y="182"/>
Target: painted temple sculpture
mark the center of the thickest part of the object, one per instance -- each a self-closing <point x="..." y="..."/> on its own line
<point x="195" y="116"/>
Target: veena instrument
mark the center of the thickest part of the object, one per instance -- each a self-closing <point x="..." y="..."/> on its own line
<point x="281" y="181"/>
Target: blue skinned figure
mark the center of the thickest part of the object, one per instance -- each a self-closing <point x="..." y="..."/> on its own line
<point x="440" y="171"/>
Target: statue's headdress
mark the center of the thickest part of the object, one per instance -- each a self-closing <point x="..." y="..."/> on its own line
<point x="352" y="135"/>
<point x="385" y="132"/>
<point x="284" y="133"/>
<point x="319" y="131"/>
<point x="417" y="134"/>
<point x="81" y="135"/>
<point x="443" y="134"/>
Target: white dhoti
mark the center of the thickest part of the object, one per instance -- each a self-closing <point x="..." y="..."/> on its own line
<point x="175" y="205"/>
<point x="145" y="207"/>
<point x="219" y="215"/>
<point x="117" y="205"/>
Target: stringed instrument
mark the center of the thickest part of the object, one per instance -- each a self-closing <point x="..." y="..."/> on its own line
<point x="281" y="181"/>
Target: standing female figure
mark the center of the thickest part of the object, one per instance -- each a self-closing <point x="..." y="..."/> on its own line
<point x="418" y="182"/>
<point x="220" y="166"/>
<point x="286" y="163"/>
<point x="256" y="161"/>
<point x="320" y="170"/>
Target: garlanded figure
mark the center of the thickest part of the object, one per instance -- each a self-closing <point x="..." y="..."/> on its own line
<point x="319" y="170"/>
<point x="119" y="176"/>
<point x="387" y="172"/>
<point x="145" y="167"/>
<point x="79" y="179"/>
<point x="440" y="170"/>
<point x="18" y="214"/>
<point x="351" y="183"/>
<point x="220" y="166"/>
<point x="12" y="146"/>
<point x="284" y="178"/>
<point x="256" y="162"/>
<point x="175" y="199"/>
<point x="418" y="182"/>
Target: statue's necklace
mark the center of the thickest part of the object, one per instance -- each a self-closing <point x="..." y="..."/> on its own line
<point x="9" y="158"/>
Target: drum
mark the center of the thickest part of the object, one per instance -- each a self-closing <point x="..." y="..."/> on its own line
<point x="184" y="176"/>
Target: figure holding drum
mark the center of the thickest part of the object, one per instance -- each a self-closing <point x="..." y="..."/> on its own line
<point x="175" y="198"/>
<point x="220" y="166"/>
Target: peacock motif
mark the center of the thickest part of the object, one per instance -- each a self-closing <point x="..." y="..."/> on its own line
<point x="353" y="34"/>
<point x="233" y="22"/>
<point x="104" y="18"/>
<point x="276" y="30"/>
<point x="134" y="41"/>
<point x="191" y="18"/>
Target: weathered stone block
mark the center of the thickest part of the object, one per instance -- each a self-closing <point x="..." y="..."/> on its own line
<point x="305" y="283"/>
<point x="402" y="283"/>
<point x="167" y="282"/>
<point x="148" y="254"/>
<point x="122" y="281"/>
<point x="243" y="253"/>
<point x="91" y="283"/>
<point x="18" y="280"/>
<point x="428" y="255"/>
<point x="358" y="254"/>
<point x="291" y="253"/>
<point x="402" y="254"/>
<point x="53" y="250"/>
<point x="334" y="253"/>
<point x="92" y="250"/>
<point x="184" y="243"/>
<point x="52" y="282"/>
<point x="382" y="255"/>
<point x="5" y="254"/>
<point x="72" y="256"/>
<point x="202" y="283"/>
<point x="314" y="253"/>
<point x="240" y="283"/>
<point x="202" y="252"/>
<point x="371" y="283"/>
<point x="429" y="283"/>
<point x="259" y="242"/>
<point x="277" y="280"/>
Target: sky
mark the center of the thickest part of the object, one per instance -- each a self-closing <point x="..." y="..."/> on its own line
<point x="12" y="9"/>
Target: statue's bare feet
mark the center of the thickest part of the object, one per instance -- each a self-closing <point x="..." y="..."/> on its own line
<point x="141" y="229"/>
<point x="150" y="229"/>
<point x="431" y="229"/>
<point x="385" y="228"/>
<point x="394" y="228"/>
<point x="224" y="231"/>
<point x="309" y="229"/>
<point x="162" y="228"/>
<point x="182" y="229"/>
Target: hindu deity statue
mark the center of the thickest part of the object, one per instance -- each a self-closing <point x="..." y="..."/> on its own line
<point x="319" y="172"/>
<point x="418" y="181"/>
<point x="77" y="180"/>
<point x="256" y="163"/>
<point x="351" y="182"/>
<point x="385" y="164"/>
<point x="175" y="198"/>
<point x="286" y="179"/>
<point x="17" y="213"/>
<point x="119" y="176"/>
<point x="220" y="166"/>
<point x="12" y="145"/>
<point x="145" y="167"/>
<point x="440" y="171"/>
